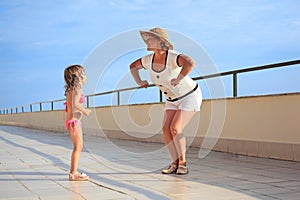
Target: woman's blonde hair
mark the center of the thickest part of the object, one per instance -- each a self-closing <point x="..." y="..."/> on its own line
<point x="73" y="76"/>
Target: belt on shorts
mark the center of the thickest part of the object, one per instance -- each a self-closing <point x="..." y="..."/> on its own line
<point x="178" y="98"/>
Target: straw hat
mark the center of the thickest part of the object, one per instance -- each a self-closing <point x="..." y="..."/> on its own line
<point x="158" y="33"/>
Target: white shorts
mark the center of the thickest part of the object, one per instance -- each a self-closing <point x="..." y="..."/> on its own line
<point x="191" y="102"/>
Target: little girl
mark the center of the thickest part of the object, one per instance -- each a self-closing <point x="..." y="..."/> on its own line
<point x="75" y="77"/>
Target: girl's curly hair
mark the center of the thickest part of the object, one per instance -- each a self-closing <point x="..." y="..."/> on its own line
<point x="73" y="75"/>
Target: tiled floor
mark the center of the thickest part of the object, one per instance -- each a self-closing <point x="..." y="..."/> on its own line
<point x="34" y="165"/>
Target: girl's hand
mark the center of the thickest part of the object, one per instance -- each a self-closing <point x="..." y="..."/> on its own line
<point x="87" y="112"/>
<point x="143" y="84"/>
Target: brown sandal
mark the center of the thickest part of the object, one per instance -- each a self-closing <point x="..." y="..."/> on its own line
<point x="182" y="169"/>
<point x="81" y="177"/>
<point x="171" y="169"/>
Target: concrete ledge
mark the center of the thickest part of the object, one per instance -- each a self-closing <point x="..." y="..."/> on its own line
<point x="264" y="149"/>
<point x="262" y="126"/>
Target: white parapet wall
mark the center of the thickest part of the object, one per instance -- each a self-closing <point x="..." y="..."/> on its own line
<point x="263" y="126"/>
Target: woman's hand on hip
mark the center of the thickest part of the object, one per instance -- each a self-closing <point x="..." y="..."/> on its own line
<point x="174" y="82"/>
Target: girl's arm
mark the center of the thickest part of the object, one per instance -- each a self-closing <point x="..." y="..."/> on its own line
<point x="187" y="65"/>
<point x="134" y="69"/>
<point x="76" y="102"/>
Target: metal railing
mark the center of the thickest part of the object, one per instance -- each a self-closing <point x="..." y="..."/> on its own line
<point x="234" y="74"/>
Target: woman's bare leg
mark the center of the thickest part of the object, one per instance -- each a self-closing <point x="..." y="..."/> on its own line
<point x="168" y="137"/>
<point x="179" y="121"/>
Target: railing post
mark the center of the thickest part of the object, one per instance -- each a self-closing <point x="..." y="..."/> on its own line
<point x="118" y="98"/>
<point x="88" y="101"/>
<point x="30" y="107"/>
<point x="16" y="109"/>
<point x="41" y="106"/>
<point x="52" y="106"/>
<point x="11" y="111"/>
<point x="234" y="84"/>
<point x="160" y="96"/>
<point x="22" y="109"/>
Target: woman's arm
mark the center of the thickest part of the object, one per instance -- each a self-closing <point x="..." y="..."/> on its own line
<point x="134" y="69"/>
<point x="187" y="64"/>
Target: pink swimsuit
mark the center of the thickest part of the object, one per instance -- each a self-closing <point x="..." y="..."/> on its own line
<point x="73" y="122"/>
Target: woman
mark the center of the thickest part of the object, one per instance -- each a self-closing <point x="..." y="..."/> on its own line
<point x="169" y="71"/>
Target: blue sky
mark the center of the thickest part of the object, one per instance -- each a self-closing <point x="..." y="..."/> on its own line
<point x="38" y="39"/>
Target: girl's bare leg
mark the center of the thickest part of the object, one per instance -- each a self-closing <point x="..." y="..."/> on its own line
<point x="76" y="137"/>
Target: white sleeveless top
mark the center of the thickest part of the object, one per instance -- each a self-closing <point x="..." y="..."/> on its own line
<point x="163" y="78"/>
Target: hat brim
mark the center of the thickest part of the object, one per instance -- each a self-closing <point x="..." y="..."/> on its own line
<point x="145" y="35"/>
